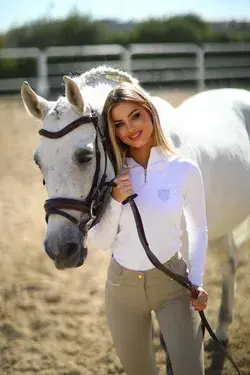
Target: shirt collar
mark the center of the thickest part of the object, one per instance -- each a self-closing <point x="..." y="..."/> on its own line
<point x="157" y="154"/>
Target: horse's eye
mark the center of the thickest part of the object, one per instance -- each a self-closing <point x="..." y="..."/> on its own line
<point x="44" y="183"/>
<point x="82" y="156"/>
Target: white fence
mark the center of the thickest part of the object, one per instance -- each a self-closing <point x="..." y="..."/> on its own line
<point x="151" y="63"/>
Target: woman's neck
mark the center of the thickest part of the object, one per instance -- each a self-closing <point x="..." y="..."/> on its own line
<point x="141" y="155"/>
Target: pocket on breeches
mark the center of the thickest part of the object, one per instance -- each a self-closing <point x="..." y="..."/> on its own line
<point x="120" y="290"/>
<point x="114" y="274"/>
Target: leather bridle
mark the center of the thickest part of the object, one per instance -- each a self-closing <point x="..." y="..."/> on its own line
<point x="95" y="204"/>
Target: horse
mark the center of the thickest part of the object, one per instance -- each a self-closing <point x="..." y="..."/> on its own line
<point x="212" y="128"/>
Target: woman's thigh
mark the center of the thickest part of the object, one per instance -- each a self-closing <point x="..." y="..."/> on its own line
<point x="129" y="320"/>
<point x="181" y="328"/>
<point x="179" y="322"/>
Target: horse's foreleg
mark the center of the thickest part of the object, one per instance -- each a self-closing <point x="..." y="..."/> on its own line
<point x="228" y="286"/>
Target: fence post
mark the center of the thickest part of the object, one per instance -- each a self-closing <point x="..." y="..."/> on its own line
<point x="126" y="60"/>
<point x="42" y="72"/>
<point x="200" y="69"/>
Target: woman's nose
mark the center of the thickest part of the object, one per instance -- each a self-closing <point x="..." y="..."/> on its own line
<point x="130" y="127"/>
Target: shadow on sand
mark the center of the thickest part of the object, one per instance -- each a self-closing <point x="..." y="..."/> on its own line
<point x="217" y="358"/>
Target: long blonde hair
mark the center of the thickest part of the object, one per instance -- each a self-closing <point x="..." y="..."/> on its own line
<point x="133" y="93"/>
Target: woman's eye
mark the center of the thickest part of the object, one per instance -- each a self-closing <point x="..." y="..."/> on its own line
<point x="136" y="115"/>
<point x="118" y="125"/>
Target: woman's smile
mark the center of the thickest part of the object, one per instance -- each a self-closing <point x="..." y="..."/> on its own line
<point x="135" y="136"/>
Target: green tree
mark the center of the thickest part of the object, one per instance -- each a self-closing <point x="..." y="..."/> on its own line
<point x="7" y="66"/>
<point x="185" y="29"/>
<point x="74" y="30"/>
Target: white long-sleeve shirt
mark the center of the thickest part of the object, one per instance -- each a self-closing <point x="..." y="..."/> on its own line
<point x="171" y="185"/>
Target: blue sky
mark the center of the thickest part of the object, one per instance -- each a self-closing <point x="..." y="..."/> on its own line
<point x="17" y="12"/>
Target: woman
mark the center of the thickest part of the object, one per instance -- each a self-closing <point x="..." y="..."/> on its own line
<point x="167" y="185"/>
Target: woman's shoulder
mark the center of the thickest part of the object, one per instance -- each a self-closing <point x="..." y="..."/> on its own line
<point x="183" y="163"/>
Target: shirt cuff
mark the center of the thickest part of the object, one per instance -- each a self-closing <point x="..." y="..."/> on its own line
<point x="196" y="279"/>
<point x="114" y="204"/>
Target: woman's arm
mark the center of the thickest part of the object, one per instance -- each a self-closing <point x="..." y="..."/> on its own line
<point x="102" y="235"/>
<point x="196" y="222"/>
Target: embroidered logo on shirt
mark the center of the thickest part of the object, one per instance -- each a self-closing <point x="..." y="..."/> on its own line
<point x="164" y="194"/>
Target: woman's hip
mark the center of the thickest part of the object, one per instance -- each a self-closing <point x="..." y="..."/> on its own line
<point x="123" y="283"/>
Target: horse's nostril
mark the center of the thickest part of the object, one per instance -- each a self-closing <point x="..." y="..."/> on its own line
<point x="48" y="250"/>
<point x="70" y="249"/>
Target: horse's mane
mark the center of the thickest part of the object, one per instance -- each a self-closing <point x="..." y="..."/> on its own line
<point x="103" y="72"/>
<point x="95" y="77"/>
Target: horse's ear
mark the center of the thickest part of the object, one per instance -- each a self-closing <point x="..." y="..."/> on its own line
<point x="35" y="104"/>
<point x="73" y="94"/>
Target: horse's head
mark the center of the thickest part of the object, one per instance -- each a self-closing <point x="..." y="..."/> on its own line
<point x="68" y="157"/>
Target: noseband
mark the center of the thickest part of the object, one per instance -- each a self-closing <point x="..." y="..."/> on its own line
<point x="95" y="203"/>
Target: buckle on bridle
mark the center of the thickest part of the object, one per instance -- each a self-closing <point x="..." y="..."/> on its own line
<point x="88" y="224"/>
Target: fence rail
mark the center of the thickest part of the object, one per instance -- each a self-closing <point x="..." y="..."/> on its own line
<point x="155" y="64"/>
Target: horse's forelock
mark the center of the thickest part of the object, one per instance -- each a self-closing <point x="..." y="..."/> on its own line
<point x="60" y="106"/>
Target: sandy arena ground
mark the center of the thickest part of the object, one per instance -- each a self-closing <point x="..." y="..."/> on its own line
<point x="52" y="322"/>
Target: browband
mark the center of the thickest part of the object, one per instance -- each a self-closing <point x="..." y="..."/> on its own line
<point x="73" y="125"/>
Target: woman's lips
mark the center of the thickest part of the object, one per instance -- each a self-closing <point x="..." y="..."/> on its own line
<point x="136" y="135"/>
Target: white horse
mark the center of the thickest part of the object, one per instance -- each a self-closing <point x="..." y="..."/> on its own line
<point x="212" y="128"/>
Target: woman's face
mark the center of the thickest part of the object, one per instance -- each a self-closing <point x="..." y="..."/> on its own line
<point x="133" y="124"/>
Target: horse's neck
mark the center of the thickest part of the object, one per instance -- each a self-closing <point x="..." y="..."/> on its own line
<point x="96" y="95"/>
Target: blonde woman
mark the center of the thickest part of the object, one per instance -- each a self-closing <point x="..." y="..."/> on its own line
<point x="167" y="185"/>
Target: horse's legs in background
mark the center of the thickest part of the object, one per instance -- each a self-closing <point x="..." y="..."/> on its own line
<point x="227" y="247"/>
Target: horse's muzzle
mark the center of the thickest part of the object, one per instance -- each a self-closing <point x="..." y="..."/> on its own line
<point x="71" y="255"/>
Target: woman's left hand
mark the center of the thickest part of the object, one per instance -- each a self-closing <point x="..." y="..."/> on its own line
<point x="200" y="303"/>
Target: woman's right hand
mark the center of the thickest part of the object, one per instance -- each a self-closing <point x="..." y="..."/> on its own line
<point x="123" y="188"/>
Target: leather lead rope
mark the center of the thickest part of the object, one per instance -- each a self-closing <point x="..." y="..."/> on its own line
<point x="178" y="278"/>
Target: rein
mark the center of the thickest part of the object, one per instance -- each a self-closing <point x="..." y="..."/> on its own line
<point x="95" y="204"/>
